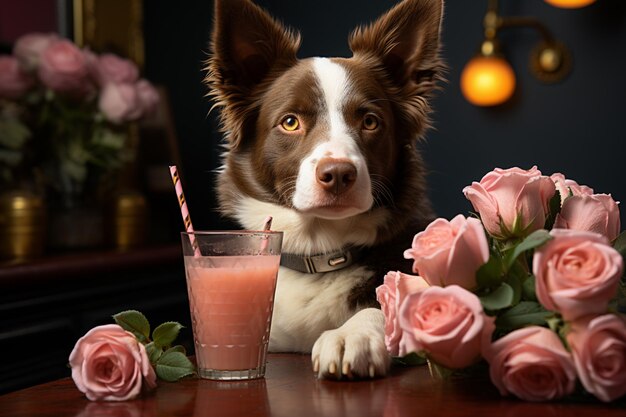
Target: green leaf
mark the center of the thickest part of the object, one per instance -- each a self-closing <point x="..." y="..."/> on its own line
<point x="501" y="297"/>
<point x="173" y="365"/>
<point x="154" y="352"/>
<point x="178" y="348"/>
<point x="490" y="273"/>
<point x="532" y="241"/>
<point x="528" y="288"/>
<point x="555" y="208"/>
<point x="134" y="322"/>
<point x="523" y="314"/>
<point x="165" y="334"/>
<point x="412" y="359"/>
<point x="620" y="244"/>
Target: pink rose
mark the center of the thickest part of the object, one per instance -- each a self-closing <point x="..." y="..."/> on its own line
<point x="532" y="364"/>
<point x="148" y="96"/>
<point x="577" y="273"/>
<point x="448" y="324"/>
<point x="63" y="68"/>
<point x="597" y="213"/>
<point x="390" y="295"/>
<point x="108" y="363"/>
<point x="512" y="202"/>
<point x="13" y="81"/>
<point x="110" y="68"/>
<point x="598" y="345"/>
<point x="28" y="49"/>
<point x="567" y="187"/>
<point x="120" y="103"/>
<point x="448" y="253"/>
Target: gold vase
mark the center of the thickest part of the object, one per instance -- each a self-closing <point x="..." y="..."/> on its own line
<point x="128" y="220"/>
<point x="22" y="225"/>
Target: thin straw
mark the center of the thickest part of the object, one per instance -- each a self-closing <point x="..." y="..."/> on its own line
<point x="266" y="228"/>
<point x="268" y="224"/>
<point x="178" y="186"/>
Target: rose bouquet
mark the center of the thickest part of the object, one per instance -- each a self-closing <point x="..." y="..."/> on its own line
<point x="117" y="362"/>
<point x="532" y="285"/>
<point x="64" y="112"/>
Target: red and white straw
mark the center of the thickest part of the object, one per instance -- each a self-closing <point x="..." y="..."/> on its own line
<point x="183" y="209"/>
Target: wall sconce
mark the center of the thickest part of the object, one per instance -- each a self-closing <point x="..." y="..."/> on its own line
<point x="489" y="80"/>
<point x="570" y="4"/>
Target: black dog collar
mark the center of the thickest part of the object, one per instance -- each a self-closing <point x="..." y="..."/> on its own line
<point x="324" y="262"/>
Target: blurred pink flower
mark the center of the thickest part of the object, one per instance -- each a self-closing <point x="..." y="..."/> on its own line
<point x="148" y="97"/>
<point x="63" y="69"/>
<point x="120" y="103"/>
<point x="13" y="81"/>
<point x="110" y="68"/>
<point x="28" y="49"/>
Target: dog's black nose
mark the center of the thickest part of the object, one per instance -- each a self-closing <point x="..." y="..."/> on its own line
<point x="335" y="175"/>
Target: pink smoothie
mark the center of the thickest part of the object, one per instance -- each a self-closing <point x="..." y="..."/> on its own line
<point x="231" y="300"/>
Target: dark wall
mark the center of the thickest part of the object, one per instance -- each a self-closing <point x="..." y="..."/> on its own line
<point x="576" y="127"/>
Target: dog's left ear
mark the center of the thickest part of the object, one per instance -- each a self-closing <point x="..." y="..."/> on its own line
<point x="247" y="47"/>
<point x="406" y="41"/>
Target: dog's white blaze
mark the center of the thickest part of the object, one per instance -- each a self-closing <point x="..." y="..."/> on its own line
<point x="335" y="86"/>
<point x="333" y="80"/>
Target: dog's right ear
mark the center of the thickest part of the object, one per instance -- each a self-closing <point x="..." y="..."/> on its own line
<point x="247" y="47"/>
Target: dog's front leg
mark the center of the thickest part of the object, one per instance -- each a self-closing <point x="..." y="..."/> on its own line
<point x="356" y="349"/>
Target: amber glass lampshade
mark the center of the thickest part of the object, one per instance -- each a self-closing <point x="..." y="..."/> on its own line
<point x="487" y="81"/>
<point x="570" y="4"/>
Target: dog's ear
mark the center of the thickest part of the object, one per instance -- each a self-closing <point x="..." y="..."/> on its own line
<point x="406" y="41"/>
<point x="247" y="47"/>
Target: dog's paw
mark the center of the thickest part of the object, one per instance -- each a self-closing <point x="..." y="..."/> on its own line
<point x="354" y="350"/>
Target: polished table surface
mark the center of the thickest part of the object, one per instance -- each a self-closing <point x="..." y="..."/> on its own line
<point x="290" y="389"/>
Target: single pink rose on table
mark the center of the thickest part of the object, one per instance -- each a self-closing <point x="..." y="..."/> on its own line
<point x="532" y="364"/>
<point x="14" y="82"/>
<point x="512" y="202"/>
<point x="108" y="363"/>
<point x="28" y="49"/>
<point x="110" y="68"/>
<point x="390" y="295"/>
<point x="567" y="187"/>
<point x="63" y="68"/>
<point x="597" y="213"/>
<point x="120" y="103"/>
<point x="450" y="252"/>
<point x="447" y="324"/>
<point x="577" y="273"/>
<point x="598" y="345"/>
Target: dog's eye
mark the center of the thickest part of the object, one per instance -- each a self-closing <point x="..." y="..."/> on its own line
<point x="290" y="123"/>
<point x="370" y="122"/>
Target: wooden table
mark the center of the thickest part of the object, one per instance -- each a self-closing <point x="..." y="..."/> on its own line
<point x="290" y="389"/>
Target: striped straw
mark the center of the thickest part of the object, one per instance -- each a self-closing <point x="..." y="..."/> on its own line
<point x="183" y="209"/>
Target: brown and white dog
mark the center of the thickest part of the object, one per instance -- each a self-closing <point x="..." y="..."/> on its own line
<point x="327" y="146"/>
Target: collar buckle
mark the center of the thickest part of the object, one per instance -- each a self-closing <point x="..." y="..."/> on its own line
<point x="325" y="262"/>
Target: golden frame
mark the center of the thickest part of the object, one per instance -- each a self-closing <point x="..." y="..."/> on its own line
<point x="110" y="25"/>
